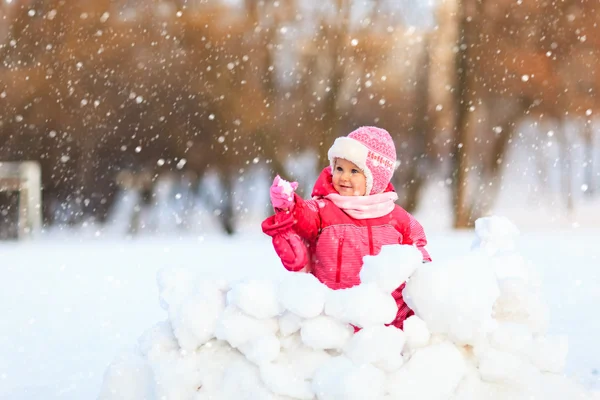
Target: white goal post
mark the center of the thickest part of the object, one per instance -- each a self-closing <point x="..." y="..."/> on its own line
<point x="24" y="179"/>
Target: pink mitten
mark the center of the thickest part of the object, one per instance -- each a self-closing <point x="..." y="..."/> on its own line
<point x="282" y="193"/>
<point x="292" y="250"/>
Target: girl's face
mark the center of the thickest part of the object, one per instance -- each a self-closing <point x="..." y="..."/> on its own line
<point x="348" y="179"/>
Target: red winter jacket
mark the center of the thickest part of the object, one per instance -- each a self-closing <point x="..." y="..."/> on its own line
<point x="337" y="242"/>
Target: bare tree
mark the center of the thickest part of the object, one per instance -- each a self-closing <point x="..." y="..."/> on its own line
<point x="514" y="61"/>
<point x="590" y="178"/>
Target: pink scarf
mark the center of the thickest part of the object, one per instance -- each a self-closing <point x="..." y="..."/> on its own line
<point x="364" y="207"/>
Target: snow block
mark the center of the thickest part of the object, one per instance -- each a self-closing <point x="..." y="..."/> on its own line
<point x="363" y="305"/>
<point x="433" y="372"/>
<point x="455" y="298"/>
<point x="325" y="333"/>
<point x="303" y="294"/>
<point x="380" y="346"/>
<point x="391" y="267"/>
<point x="340" y="379"/>
<point x="257" y="298"/>
<point x="479" y="333"/>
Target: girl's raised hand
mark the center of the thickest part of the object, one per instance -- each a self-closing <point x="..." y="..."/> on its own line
<point x="282" y="193"/>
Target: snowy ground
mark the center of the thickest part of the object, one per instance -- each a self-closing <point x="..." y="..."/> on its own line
<point x="69" y="305"/>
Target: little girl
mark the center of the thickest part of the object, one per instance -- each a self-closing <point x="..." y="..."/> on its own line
<point x="351" y="214"/>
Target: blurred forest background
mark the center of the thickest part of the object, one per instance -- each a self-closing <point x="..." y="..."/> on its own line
<point x="114" y="95"/>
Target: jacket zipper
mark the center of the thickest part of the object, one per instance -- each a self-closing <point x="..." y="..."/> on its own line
<point x="338" y="273"/>
<point x="370" y="240"/>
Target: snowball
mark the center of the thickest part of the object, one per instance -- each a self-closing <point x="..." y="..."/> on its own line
<point x="495" y="234"/>
<point x="158" y="340"/>
<point x="281" y="380"/>
<point x="257" y="298"/>
<point x="289" y="323"/>
<point x="455" y="298"/>
<point x="363" y="305"/>
<point x="501" y="367"/>
<point x="302" y="294"/>
<point x="324" y="332"/>
<point x="416" y="332"/>
<point x="433" y="372"/>
<point x="194" y="319"/>
<point x="380" y="346"/>
<point x="128" y="377"/>
<point x="304" y="360"/>
<point x="287" y="188"/>
<point x="514" y="266"/>
<point x="176" y="377"/>
<point x="340" y="379"/>
<point x="391" y="267"/>
<point x="512" y="338"/>
<point x="549" y="353"/>
<point x="472" y="387"/>
<point x="292" y="341"/>
<point x="517" y="303"/>
<point x="174" y="285"/>
<point x="213" y="371"/>
<point x="238" y="328"/>
<point x="261" y="350"/>
<point x="241" y="380"/>
<point x="216" y="363"/>
<point x="290" y="373"/>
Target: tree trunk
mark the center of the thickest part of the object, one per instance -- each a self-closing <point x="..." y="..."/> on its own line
<point x="222" y="202"/>
<point x="416" y="177"/>
<point x="588" y="172"/>
<point x="503" y="115"/>
<point x="331" y="118"/>
<point x="465" y="99"/>
<point x="227" y="215"/>
<point x="492" y="176"/>
<point x="330" y="121"/>
<point x="566" y="173"/>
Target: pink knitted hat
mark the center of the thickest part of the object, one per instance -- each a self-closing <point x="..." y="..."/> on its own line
<point x="372" y="150"/>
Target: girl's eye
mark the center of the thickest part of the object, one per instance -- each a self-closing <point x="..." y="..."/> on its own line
<point x="339" y="169"/>
<point x="355" y="171"/>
